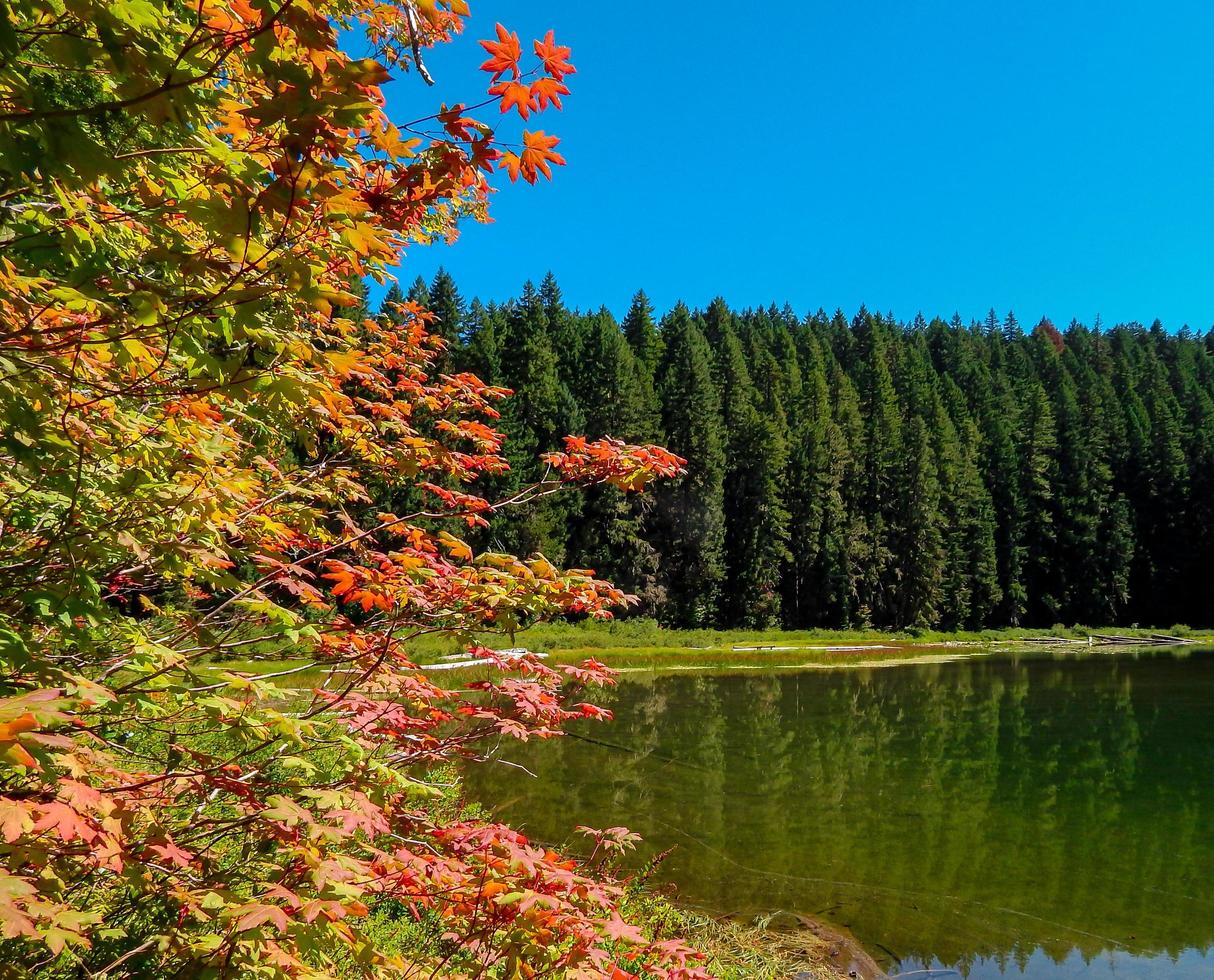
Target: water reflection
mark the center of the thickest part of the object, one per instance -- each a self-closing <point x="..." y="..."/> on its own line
<point x="1050" y="816"/>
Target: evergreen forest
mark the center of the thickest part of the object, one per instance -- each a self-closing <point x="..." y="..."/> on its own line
<point x="863" y="471"/>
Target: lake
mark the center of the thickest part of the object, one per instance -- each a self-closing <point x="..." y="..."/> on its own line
<point x="1042" y="816"/>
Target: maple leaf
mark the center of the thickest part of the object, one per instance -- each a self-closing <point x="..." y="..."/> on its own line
<point x="554" y="57"/>
<point x="14" y="922"/>
<point x="256" y="914"/>
<point x="545" y="91"/>
<point x="484" y="155"/>
<point x="535" y="159"/>
<point x="170" y="852"/>
<point x="461" y="127"/>
<point x="508" y="726"/>
<point x="621" y="931"/>
<point x="591" y="672"/>
<point x="9" y="730"/>
<point x="515" y="94"/>
<point x="10" y="748"/>
<point x="18" y="755"/>
<point x="67" y="928"/>
<point x="287" y="811"/>
<point x="15" y="820"/>
<point x="504" y="53"/>
<point x="69" y="824"/>
<point x="13" y="888"/>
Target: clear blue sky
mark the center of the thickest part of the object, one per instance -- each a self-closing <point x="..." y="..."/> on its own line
<point x="1052" y="157"/>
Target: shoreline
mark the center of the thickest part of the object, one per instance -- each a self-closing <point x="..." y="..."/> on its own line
<point x="905" y="655"/>
<point x="796" y="947"/>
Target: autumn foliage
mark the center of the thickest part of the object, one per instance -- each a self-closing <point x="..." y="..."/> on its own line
<point x="196" y="434"/>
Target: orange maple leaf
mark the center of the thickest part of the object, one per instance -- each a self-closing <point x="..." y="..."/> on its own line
<point x="170" y="852"/>
<point x="505" y="54"/>
<point x="553" y="56"/>
<point x="515" y="94"/>
<point x="10" y="748"/>
<point x="548" y="90"/>
<point x="9" y="730"/>
<point x="459" y="126"/>
<point x="535" y="158"/>
<point x="70" y="824"/>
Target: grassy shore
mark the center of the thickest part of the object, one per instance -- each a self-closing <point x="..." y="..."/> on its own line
<point x="642" y="644"/>
<point x="637" y="641"/>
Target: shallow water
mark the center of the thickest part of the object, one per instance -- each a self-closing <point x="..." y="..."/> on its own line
<point x="1046" y="816"/>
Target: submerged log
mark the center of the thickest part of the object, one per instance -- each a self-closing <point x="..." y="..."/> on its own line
<point x="842" y="950"/>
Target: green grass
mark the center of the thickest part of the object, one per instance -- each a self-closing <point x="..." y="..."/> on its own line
<point x="642" y="642"/>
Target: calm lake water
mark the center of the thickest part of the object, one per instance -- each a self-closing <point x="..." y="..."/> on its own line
<point x="1043" y="816"/>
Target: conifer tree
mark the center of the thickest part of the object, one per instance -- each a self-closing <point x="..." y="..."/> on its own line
<point x="618" y="399"/>
<point x="756" y="522"/>
<point x="819" y="487"/>
<point x="361" y="310"/>
<point x="641" y="331"/>
<point x="884" y="470"/>
<point x="450" y="313"/>
<point x="1038" y="478"/>
<point x="1011" y="326"/>
<point x="688" y="517"/>
<point x="480" y="351"/>
<point x="419" y="293"/>
<point x="1162" y="510"/>
<point x="564" y="329"/>
<point x="973" y="591"/>
<point x="387" y="309"/>
<point x="534" y="419"/>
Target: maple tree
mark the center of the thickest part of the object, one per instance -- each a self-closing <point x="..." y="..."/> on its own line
<point x="193" y="425"/>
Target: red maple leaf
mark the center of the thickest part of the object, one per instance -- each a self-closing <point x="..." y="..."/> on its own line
<point x="169" y="851"/>
<point x="459" y="126"/>
<point x="69" y="824"/>
<point x="257" y="914"/>
<point x="554" y="57"/>
<point x="505" y="53"/>
<point x="515" y="94"/>
<point x="621" y="931"/>
<point x="548" y="90"/>
<point x="535" y="158"/>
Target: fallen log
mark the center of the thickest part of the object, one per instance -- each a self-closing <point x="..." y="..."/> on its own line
<point x="1054" y="640"/>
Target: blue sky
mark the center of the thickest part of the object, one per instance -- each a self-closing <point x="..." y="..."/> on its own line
<point x="1053" y="158"/>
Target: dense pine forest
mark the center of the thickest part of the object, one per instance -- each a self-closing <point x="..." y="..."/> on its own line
<point x="864" y="471"/>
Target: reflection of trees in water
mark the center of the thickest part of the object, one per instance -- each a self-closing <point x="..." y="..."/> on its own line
<point x="925" y="806"/>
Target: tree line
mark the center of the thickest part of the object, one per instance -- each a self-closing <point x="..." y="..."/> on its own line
<point x="864" y="471"/>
